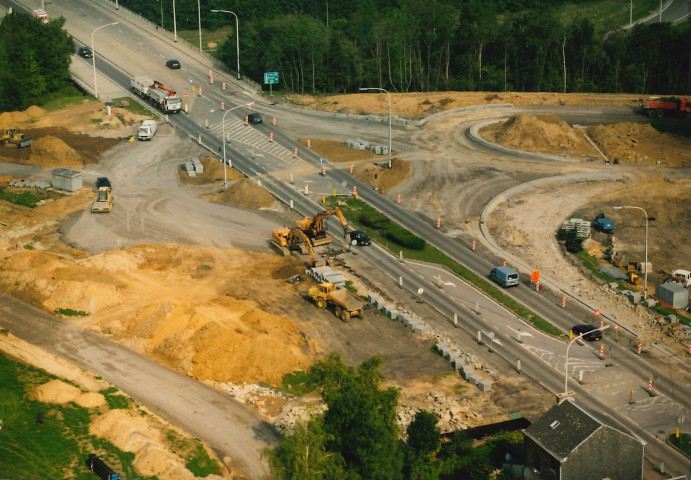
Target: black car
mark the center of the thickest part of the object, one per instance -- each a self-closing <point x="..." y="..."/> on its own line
<point x="173" y="64"/>
<point x="358" y="237"/>
<point x="85" y="52"/>
<point x="102" y="182"/>
<point x="593" y="336"/>
<point x="254" y="118"/>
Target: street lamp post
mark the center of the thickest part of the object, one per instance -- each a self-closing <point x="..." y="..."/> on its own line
<point x="237" y="36"/>
<point x="566" y="362"/>
<point x="225" y="181"/>
<point x="93" y="54"/>
<point x="383" y="90"/>
<point x="199" y="15"/>
<point x="175" y="25"/>
<point x="161" y="2"/>
<point x="645" y="280"/>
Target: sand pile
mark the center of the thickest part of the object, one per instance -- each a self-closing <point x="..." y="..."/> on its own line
<point x="57" y="391"/>
<point x="52" y="152"/>
<point x="545" y="134"/>
<point x="382" y="178"/>
<point x="14" y="119"/>
<point x="215" y="314"/>
<point x="246" y="193"/>
<point x="641" y="144"/>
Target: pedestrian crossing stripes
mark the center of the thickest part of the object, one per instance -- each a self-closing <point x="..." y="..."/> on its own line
<point x="237" y="131"/>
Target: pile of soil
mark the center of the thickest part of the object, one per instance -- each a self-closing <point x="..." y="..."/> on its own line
<point x="335" y="151"/>
<point x="214" y="314"/>
<point x="57" y="391"/>
<point x="246" y="193"/>
<point x="15" y="119"/>
<point x="380" y="177"/>
<point x="639" y="143"/>
<point x="420" y="105"/>
<point x="51" y="152"/>
<point x="213" y="172"/>
<point x="545" y="134"/>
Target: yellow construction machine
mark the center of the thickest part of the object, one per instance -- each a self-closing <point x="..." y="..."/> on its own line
<point x="292" y="239"/>
<point x="105" y="201"/>
<point x="315" y="227"/>
<point x="11" y="136"/>
<point x="634" y="278"/>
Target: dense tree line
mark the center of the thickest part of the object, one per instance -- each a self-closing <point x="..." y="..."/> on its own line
<point x="34" y="60"/>
<point x="424" y="45"/>
<point x="357" y="438"/>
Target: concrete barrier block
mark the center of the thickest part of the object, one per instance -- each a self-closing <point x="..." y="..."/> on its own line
<point x="635" y="297"/>
<point x="372" y="297"/>
<point x="484" y="385"/>
<point x="421" y="329"/>
<point x="394" y="314"/>
<point x="473" y="379"/>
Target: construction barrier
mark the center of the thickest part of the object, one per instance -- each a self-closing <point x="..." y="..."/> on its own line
<point x="597" y="313"/>
<point x="537" y="286"/>
<point x="211" y="80"/>
<point x="324" y="171"/>
<point x="223" y="106"/>
<point x="398" y="198"/>
<point x="602" y="351"/>
<point x="650" y="385"/>
<point x="354" y="190"/>
<point x="274" y="121"/>
<point x="438" y="222"/>
<point x="351" y="168"/>
<point x="504" y="263"/>
<point x="473" y="245"/>
<point x="224" y="86"/>
<point x="563" y="302"/>
<point x="271" y="137"/>
<point x="296" y="151"/>
<point x="309" y="143"/>
<point x="640" y="348"/>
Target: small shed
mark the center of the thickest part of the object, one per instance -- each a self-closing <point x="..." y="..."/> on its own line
<point x="673" y="293"/>
<point x="67" y="179"/>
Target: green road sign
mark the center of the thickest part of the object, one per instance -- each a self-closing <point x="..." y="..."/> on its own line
<point x="270" y="78"/>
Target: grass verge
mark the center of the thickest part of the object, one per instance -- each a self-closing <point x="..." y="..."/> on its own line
<point x="69" y="95"/>
<point x="135" y="107"/>
<point x="683" y="443"/>
<point x="353" y="209"/>
<point x="68" y="312"/>
<point x="298" y="383"/>
<point x="26" y="199"/>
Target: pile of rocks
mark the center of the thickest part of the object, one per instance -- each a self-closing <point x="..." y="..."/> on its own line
<point x="452" y="415"/>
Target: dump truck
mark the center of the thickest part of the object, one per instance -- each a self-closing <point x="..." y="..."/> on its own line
<point x="157" y="94"/>
<point x="11" y="136"/>
<point x="665" y="106"/>
<point x="315" y="227"/>
<point x="105" y="201"/>
<point x="292" y="239"/>
<point x="147" y="130"/>
<point x="345" y="304"/>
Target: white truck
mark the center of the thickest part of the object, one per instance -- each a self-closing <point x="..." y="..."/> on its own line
<point x="147" y="129"/>
<point x="158" y="94"/>
<point x="682" y="276"/>
<point x="41" y="15"/>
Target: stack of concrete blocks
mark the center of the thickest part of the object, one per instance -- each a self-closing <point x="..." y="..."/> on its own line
<point x="357" y="144"/>
<point x="413" y="322"/>
<point x="198" y="167"/>
<point x="189" y="168"/>
<point x="40" y="185"/>
<point x="634" y="297"/>
<point x="327" y="274"/>
<point x="581" y="226"/>
<point x="466" y="370"/>
<point x="378" y="149"/>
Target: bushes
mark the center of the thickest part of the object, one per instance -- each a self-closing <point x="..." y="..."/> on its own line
<point x="392" y="231"/>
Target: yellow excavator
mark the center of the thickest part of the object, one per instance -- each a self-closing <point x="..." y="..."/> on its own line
<point x="315" y="227"/>
<point x="11" y="136"/>
<point x="292" y="239"/>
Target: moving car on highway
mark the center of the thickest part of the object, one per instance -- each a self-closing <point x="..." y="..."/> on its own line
<point x="588" y="332"/>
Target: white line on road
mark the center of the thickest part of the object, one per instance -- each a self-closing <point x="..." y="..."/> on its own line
<point x="523" y="334"/>
<point x="256" y="172"/>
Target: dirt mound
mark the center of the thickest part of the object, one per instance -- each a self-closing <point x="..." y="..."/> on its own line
<point x="200" y="310"/>
<point x="545" y="134"/>
<point x="213" y="172"/>
<point x="57" y="391"/>
<point x="51" y="152"/>
<point x="380" y="177"/>
<point x="13" y="119"/>
<point x="420" y="105"/>
<point x="246" y="193"/>
<point x="641" y="144"/>
<point x="336" y="151"/>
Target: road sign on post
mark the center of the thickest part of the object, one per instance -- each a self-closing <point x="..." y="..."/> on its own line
<point x="271" y="78"/>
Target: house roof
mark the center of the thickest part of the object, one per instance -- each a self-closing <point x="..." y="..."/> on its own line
<point x="562" y="429"/>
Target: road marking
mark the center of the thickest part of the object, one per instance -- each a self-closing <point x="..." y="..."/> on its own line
<point x="256" y="172"/>
<point x="523" y="334"/>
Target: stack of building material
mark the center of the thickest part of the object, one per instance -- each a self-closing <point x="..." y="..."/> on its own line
<point x="327" y="274"/>
<point x="198" y="167"/>
<point x="189" y="168"/>
<point x="356" y="144"/>
<point x="582" y="227"/>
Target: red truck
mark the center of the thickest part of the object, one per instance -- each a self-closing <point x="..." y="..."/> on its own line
<point x="664" y="106"/>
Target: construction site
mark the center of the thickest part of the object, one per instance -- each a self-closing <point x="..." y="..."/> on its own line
<point x="223" y="292"/>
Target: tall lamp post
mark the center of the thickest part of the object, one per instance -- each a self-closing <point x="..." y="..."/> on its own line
<point x="645" y="280"/>
<point x="237" y="36"/>
<point x="199" y="16"/>
<point x="175" y="25"/>
<point x="161" y="2"/>
<point x="93" y="52"/>
<point x="566" y="362"/>
<point x="383" y="90"/>
<point x="225" y="181"/>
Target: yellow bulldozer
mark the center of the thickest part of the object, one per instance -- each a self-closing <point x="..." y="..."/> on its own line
<point x="12" y="136"/>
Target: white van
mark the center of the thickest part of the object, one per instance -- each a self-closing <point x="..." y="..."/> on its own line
<point x="683" y="276"/>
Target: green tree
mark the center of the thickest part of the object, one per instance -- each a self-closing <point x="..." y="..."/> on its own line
<point x="303" y="455"/>
<point x="361" y="418"/>
<point x="424" y="436"/>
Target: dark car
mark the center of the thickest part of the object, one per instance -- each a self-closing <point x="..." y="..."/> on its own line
<point x="358" y="237"/>
<point x="593" y="336"/>
<point x="254" y="118"/>
<point x="172" y="63"/>
<point x="102" y="182"/>
<point x="85" y="52"/>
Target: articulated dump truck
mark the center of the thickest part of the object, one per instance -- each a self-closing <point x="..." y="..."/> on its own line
<point x="345" y="304"/>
